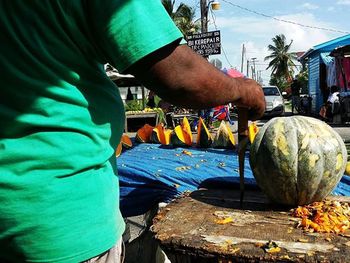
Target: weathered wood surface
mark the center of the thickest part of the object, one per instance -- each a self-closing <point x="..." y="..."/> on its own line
<point x="187" y="231"/>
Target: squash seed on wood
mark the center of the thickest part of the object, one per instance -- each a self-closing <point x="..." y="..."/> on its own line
<point x="271" y="247"/>
<point x="303" y="240"/>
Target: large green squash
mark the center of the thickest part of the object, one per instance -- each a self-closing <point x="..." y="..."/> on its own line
<point x="297" y="160"/>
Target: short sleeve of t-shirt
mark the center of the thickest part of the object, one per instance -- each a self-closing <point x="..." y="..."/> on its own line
<point x="127" y="31"/>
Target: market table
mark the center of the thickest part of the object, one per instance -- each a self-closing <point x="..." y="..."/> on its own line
<point x="153" y="173"/>
<point x="143" y="117"/>
<point x="188" y="231"/>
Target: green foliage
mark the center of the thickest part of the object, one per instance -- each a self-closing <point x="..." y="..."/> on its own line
<point x="303" y="79"/>
<point x="183" y="17"/>
<point x="281" y="59"/>
<point x="133" y="105"/>
<point x="283" y="84"/>
<point x="280" y="81"/>
<point x="161" y="115"/>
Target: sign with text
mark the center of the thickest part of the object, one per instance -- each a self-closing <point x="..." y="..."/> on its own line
<point x="205" y="44"/>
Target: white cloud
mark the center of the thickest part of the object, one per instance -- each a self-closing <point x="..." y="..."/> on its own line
<point x="309" y="6"/>
<point x="256" y="33"/>
<point x="343" y="2"/>
<point x="331" y="8"/>
<point x="304" y="37"/>
<point x="261" y="30"/>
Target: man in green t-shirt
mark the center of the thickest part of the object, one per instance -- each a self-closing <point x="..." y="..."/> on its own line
<point x="61" y="117"/>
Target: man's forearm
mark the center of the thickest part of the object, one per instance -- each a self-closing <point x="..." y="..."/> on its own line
<point x="183" y="78"/>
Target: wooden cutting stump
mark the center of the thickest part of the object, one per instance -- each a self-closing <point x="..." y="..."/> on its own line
<point x="192" y="229"/>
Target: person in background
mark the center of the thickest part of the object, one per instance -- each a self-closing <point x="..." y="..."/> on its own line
<point x="151" y="100"/>
<point x="129" y="95"/>
<point x="295" y="87"/>
<point x="62" y="118"/>
<point x="332" y="104"/>
<point x="333" y="95"/>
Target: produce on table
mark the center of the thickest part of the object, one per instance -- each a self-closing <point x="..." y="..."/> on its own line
<point x="182" y="135"/>
<point x="119" y="149"/>
<point x="347" y="169"/>
<point x="143" y="135"/>
<point x="161" y="135"/>
<point x="253" y="129"/>
<point x="204" y="137"/>
<point x="224" y="137"/>
<point x="297" y="160"/>
<point x="125" y="143"/>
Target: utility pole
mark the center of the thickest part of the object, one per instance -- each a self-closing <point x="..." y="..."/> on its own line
<point x="204" y="16"/>
<point x="248" y="68"/>
<point x="243" y="53"/>
<point x="253" y="69"/>
<point x="259" y="78"/>
<point x="215" y="5"/>
<point x="204" y="4"/>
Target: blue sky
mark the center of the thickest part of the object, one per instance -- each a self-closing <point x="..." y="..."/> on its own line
<point x="239" y="26"/>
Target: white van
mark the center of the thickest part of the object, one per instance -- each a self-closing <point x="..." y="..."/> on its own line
<point x="274" y="101"/>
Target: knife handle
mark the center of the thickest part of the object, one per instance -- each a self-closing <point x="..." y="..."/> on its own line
<point x="242" y="122"/>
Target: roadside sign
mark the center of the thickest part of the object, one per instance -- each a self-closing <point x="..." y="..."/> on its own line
<point x="205" y="44"/>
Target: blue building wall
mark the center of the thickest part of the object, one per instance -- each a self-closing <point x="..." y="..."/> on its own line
<point x="314" y="81"/>
<point x="314" y="58"/>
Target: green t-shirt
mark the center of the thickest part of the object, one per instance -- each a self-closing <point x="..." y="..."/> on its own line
<point x="61" y="118"/>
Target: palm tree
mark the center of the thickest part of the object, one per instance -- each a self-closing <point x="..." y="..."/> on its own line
<point x="281" y="59"/>
<point x="183" y="17"/>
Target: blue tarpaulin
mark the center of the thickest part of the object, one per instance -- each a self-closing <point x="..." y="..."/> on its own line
<point x="152" y="173"/>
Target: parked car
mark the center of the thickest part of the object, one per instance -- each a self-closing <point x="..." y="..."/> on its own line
<point x="274" y="101"/>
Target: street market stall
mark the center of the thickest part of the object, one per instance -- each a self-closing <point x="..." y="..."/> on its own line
<point x="204" y="222"/>
<point x="324" y="71"/>
<point x="342" y="61"/>
<point x="152" y="173"/>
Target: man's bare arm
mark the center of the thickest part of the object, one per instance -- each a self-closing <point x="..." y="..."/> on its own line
<point x="183" y="78"/>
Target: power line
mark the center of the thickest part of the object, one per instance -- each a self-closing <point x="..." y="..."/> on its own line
<point x="284" y="20"/>
<point x="223" y="50"/>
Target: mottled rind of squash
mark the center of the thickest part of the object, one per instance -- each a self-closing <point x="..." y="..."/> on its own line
<point x="204" y="137"/>
<point x="297" y="160"/>
<point x="224" y="137"/>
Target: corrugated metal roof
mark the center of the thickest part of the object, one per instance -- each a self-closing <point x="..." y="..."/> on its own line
<point x="324" y="46"/>
<point x="327" y="46"/>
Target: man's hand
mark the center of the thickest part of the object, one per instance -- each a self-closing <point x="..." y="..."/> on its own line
<point x="251" y="97"/>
